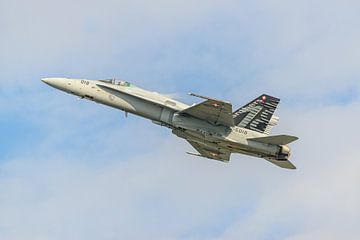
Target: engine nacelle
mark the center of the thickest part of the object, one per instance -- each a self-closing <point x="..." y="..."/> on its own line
<point x="284" y="153"/>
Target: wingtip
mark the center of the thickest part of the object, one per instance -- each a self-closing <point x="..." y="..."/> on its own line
<point x="296" y="138"/>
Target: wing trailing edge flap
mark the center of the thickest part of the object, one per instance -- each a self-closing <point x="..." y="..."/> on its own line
<point x="276" y="140"/>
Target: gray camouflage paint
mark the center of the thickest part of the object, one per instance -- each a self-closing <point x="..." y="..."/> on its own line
<point x="212" y="139"/>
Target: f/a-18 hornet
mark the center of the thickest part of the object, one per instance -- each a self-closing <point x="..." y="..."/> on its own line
<point x="211" y="126"/>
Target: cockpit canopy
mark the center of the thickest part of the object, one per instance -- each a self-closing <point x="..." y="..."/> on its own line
<point x="117" y="82"/>
<point x="124" y="83"/>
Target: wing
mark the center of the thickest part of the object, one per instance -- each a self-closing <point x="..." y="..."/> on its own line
<point x="214" y="111"/>
<point x="219" y="154"/>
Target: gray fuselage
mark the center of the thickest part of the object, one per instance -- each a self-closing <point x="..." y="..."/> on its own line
<point x="164" y="111"/>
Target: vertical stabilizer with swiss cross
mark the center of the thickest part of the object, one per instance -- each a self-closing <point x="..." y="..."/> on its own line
<point x="257" y="115"/>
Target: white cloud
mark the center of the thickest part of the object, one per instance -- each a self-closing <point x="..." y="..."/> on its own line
<point x="165" y="194"/>
<point x="94" y="175"/>
<point x="85" y="38"/>
<point x="297" y="47"/>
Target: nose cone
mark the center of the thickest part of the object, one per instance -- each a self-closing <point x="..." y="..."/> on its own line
<point x="50" y="81"/>
<point x="59" y="83"/>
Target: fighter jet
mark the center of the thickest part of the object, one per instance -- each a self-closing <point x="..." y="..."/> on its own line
<point x="210" y="126"/>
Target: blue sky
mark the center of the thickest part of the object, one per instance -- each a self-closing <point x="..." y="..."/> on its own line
<point x="72" y="169"/>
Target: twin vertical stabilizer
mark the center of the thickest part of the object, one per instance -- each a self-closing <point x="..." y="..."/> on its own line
<point x="257" y="115"/>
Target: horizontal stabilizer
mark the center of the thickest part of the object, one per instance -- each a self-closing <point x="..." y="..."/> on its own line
<point x="276" y="140"/>
<point x="282" y="163"/>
